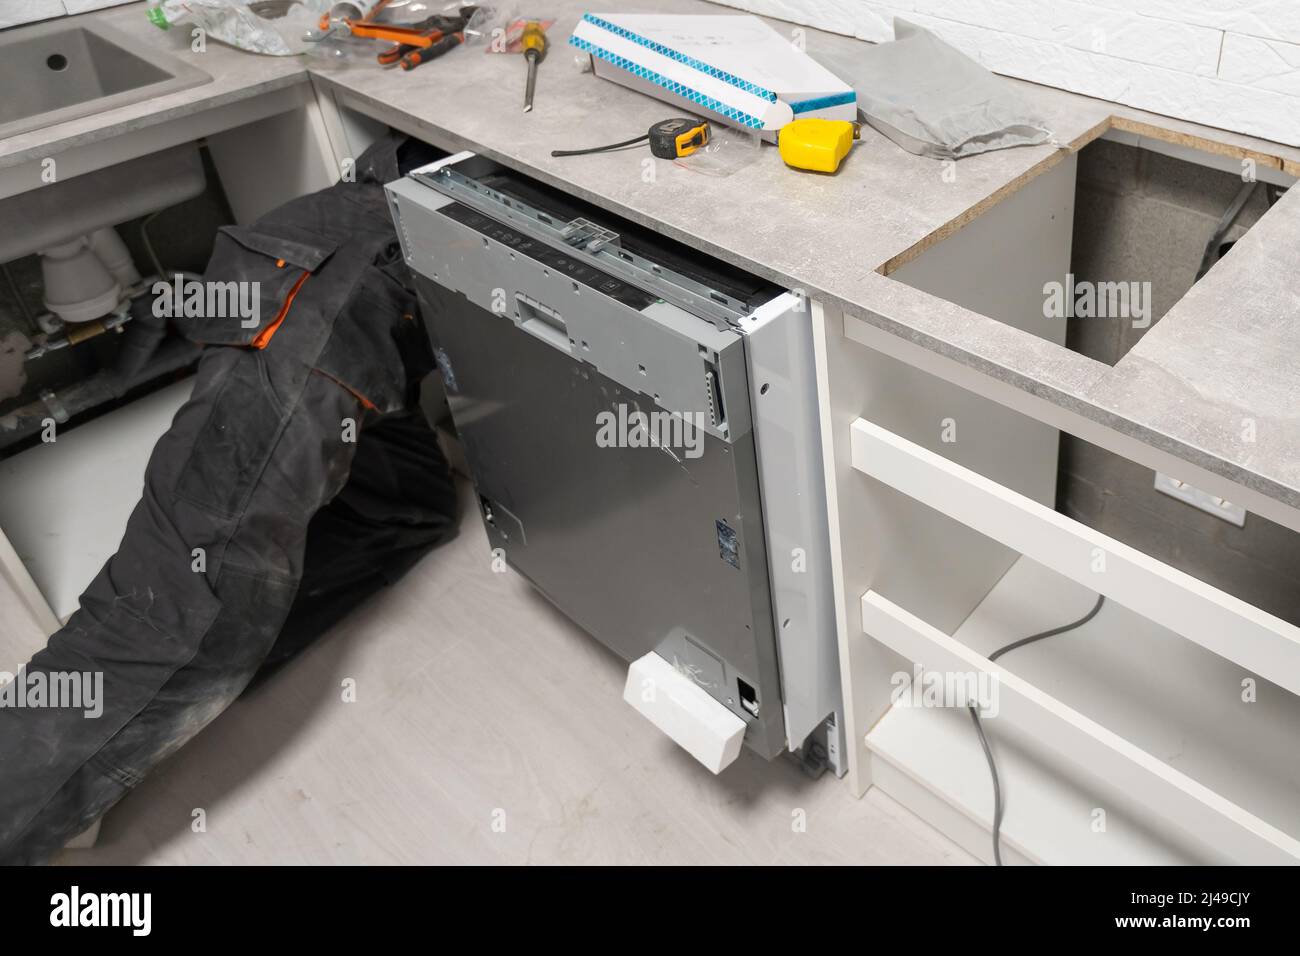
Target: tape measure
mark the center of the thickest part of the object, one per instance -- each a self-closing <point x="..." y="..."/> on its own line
<point x="817" y="144"/>
<point x="673" y="138"/>
<point x="669" y="139"/>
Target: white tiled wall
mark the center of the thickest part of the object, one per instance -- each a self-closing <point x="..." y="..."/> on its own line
<point x="1234" y="64"/>
<point x="14" y="12"/>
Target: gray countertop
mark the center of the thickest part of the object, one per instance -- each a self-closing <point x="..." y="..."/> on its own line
<point x="235" y="76"/>
<point x="1216" y="382"/>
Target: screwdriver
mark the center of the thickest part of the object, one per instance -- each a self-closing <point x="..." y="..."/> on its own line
<point x="534" y="44"/>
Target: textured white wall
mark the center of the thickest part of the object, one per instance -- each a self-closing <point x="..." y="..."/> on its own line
<point x="1234" y="64"/>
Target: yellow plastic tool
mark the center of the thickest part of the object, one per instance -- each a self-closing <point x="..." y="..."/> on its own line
<point x="817" y="144"/>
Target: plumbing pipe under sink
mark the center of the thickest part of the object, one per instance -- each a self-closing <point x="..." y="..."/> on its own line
<point x="85" y="278"/>
<point x="60" y="211"/>
<point x="69" y="222"/>
<point x="109" y="248"/>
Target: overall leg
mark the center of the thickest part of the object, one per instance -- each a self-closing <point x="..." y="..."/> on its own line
<point x="181" y="617"/>
<point x="184" y="614"/>
<point x="398" y="504"/>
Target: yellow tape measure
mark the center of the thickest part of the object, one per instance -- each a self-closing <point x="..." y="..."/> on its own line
<point x="672" y="138"/>
<point x="817" y="144"/>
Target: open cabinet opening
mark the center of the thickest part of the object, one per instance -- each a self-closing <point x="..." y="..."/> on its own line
<point x="1193" y="679"/>
<point x="1222" y="727"/>
<point x="1172" y="712"/>
<point x="1115" y="236"/>
<point x="1161" y="729"/>
<point x="90" y="377"/>
<point x="73" y="368"/>
<point x="1147" y="227"/>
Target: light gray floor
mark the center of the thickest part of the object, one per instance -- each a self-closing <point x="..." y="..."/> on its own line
<point x="486" y="729"/>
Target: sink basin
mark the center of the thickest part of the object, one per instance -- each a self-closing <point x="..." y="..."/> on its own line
<point x="64" y="70"/>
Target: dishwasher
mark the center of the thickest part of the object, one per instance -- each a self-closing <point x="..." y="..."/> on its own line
<point x="641" y="426"/>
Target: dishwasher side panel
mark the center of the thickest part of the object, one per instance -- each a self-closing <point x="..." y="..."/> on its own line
<point x="648" y="546"/>
<point x="643" y="547"/>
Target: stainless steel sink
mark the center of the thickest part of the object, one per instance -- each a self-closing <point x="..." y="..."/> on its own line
<point x="64" y="70"/>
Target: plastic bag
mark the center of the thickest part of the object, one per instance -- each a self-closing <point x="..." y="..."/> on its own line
<point x="334" y="43"/>
<point x="275" y="27"/>
<point x="933" y="100"/>
<point x="729" y="149"/>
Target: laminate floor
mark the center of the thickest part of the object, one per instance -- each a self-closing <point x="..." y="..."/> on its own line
<point x="486" y="728"/>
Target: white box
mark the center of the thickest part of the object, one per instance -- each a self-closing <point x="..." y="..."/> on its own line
<point x="685" y="712"/>
<point x="735" y="70"/>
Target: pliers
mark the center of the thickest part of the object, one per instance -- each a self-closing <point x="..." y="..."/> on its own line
<point x="420" y="42"/>
<point x="410" y="55"/>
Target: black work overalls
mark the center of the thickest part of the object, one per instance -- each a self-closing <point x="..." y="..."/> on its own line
<point x="298" y="478"/>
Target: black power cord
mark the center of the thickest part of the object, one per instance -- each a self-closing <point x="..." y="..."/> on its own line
<point x="600" y="149"/>
<point x="979" y="726"/>
<point x="1214" y="246"/>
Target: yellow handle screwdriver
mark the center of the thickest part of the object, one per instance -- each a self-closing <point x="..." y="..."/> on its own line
<point x="534" y="44"/>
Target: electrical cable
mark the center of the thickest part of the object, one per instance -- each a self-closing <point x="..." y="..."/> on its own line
<point x="600" y="149"/>
<point x="979" y="726"/>
<point x="148" y="245"/>
<point x="1211" y="255"/>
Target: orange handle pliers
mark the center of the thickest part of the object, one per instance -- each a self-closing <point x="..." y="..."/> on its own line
<point x="411" y="55"/>
<point x="413" y="44"/>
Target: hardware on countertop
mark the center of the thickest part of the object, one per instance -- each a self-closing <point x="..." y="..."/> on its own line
<point x="817" y="144"/>
<point x="408" y="56"/>
<point x="731" y="70"/>
<point x="735" y="71"/>
<point x="668" y="139"/>
<point x="534" y="44"/>
<point x="413" y="43"/>
<point x="674" y="138"/>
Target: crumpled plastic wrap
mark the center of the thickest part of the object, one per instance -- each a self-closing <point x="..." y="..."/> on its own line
<point x="274" y="27"/>
<point x="933" y="100"/>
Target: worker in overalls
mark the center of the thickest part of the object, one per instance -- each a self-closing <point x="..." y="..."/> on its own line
<point x="299" y="478"/>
